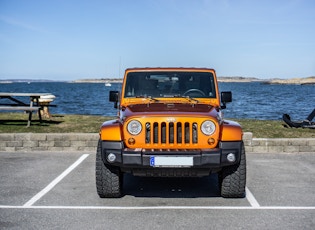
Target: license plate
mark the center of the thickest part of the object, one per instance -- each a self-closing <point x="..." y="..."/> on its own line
<point x="171" y="161"/>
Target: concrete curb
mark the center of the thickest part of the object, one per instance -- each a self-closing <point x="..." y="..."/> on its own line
<point x="87" y="142"/>
<point x="55" y="142"/>
<point x="278" y="145"/>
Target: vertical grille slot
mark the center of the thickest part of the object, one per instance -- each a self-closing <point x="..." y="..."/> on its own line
<point x="155" y="132"/>
<point x="195" y="133"/>
<point x="179" y="133"/>
<point x="171" y="133"/>
<point x="147" y="132"/>
<point x="163" y="133"/>
<point x="187" y="132"/>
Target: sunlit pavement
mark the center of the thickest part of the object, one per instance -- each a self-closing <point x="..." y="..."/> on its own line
<point x="57" y="190"/>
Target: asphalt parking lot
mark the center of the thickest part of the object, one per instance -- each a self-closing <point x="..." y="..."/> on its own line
<point x="57" y="191"/>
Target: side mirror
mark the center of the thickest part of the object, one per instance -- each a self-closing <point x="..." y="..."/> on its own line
<point x="225" y="98"/>
<point x="114" y="97"/>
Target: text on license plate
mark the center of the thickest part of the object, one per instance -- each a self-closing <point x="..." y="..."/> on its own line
<point x="171" y="161"/>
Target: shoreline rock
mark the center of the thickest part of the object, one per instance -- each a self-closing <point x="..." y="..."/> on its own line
<point x="293" y="81"/>
<point x="103" y="80"/>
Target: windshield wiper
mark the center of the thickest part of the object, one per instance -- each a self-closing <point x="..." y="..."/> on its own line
<point x="190" y="99"/>
<point x="148" y="97"/>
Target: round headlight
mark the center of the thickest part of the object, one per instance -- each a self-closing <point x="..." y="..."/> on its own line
<point x="208" y="127"/>
<point x="134" y="127"/>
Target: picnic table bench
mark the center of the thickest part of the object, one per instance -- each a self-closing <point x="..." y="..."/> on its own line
<point x="18" y="104"/>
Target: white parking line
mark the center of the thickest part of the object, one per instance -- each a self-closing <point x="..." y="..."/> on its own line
<point x="251" y="199"/>
<point x="55" y="181"/>
<point x="162" y="207"/>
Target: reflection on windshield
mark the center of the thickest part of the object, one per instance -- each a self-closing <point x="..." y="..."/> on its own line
<point x="170" y="84"/>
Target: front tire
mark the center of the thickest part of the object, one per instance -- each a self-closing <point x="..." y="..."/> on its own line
<point x="108" y="178"/>
<point x="233" y="178"/>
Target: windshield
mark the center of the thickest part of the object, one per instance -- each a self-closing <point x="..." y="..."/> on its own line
<point x="170" y="84"/>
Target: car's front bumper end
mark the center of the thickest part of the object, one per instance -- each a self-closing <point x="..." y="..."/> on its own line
<point x="114" y="153"/>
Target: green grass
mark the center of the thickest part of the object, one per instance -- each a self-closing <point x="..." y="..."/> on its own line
<point x="273" y="129"/>
<point x="16" y="123"/>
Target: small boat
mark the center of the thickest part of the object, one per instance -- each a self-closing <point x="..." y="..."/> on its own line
<point x="108" y="84"/>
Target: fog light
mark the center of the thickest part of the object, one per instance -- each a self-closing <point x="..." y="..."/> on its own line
<point x="231" y="157"/>
<point x="111" y="157"/>
<point x="131" y="141"/>
<point x="211" y="141"/>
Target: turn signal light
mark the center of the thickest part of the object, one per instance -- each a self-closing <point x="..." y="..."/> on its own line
<point x="131" y="141"/>
<point x="211" y="141"/>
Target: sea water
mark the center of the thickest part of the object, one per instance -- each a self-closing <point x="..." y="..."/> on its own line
<point x="252" y="100"/>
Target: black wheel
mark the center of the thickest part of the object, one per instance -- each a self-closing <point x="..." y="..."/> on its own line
<point x="233" y="179"/>
<point x="194" y="92"/>
<point x="108" y="178"/>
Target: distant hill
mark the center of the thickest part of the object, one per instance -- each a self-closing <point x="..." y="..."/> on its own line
<point x="238" y="79"/>
<point x="293" y="81"/>
<point x="25" y="80"/>
<point x="101" y="80"/>
<point x="119" y="80"/>
<point x="296" y="81"/>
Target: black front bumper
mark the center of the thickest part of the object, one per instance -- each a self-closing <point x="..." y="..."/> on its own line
<point x="141" y="158"/>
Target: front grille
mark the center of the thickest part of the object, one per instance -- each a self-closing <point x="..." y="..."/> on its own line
<point x="171" y="133"/>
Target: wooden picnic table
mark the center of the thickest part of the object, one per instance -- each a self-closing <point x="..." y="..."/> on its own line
<point x="17" y="104"/>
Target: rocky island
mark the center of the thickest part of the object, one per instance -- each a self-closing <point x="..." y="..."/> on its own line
<point x="100" y="80"/>
<point x="292" y="81"/>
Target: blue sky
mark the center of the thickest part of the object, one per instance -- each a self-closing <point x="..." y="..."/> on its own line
<point x="73" y="39"/>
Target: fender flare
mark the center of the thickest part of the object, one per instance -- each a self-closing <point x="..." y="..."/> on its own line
<point x="231" y="131"/>
<point x="111" y="131"/>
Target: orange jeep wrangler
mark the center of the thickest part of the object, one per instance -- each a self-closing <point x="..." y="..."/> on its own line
<point x="170" y="124"/>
